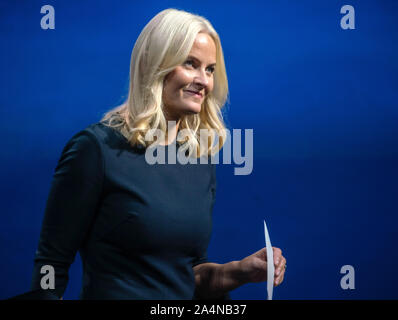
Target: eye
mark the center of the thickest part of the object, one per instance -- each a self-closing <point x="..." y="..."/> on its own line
<point x="188" y="62"/>
<point x="211" y="69"/>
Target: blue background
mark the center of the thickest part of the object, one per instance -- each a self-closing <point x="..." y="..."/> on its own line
<point x="322" y="102"/>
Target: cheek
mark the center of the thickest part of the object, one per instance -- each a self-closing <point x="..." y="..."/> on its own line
<point x="183" y="78"/>
<point x="176" y="82"/>
<point x="169" y="91"/>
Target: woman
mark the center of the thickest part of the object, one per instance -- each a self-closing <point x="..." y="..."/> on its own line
<point x="142" y="230"/>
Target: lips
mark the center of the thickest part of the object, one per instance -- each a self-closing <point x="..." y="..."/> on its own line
<point x="196" y="93"/>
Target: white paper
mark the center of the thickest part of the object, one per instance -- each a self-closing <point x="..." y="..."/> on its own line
<point x="270" y="263"/>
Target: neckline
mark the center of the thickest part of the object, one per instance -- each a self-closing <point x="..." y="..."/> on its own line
<point x="139" y="147"/>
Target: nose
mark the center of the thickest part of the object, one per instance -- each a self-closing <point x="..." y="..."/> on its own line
<point x="201" y="79"/>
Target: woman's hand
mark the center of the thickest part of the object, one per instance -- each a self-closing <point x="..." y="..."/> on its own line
<point x="214" y="280"/>
<point x="254" y="267"/>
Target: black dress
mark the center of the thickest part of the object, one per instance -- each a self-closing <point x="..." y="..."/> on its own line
<point x="139" y="228"/>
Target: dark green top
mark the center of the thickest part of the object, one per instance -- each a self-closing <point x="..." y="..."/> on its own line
<point x="139" y="228"/>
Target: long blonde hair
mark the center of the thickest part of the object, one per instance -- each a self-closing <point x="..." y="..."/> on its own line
<point x="163" y="44"/>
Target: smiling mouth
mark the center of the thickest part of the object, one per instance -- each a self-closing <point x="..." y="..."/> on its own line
<point x="195" y="93"/>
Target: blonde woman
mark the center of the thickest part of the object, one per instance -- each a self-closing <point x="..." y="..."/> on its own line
<point x="142" y="230"/>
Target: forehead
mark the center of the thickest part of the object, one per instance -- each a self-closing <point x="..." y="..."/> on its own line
<point x="204" y="48"/>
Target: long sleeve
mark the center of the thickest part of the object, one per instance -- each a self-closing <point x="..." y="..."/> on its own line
<point x="71" y="206"/>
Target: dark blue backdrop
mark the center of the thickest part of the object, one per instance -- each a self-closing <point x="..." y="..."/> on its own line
<point x="322" y="102"/>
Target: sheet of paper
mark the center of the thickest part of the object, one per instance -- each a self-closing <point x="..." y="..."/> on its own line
<point x="270" y="263"/>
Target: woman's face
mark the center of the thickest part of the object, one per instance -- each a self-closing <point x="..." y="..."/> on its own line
<point x="186" y="87"/>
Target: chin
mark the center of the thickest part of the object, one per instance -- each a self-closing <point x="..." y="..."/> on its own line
<point x="193" y="109"/>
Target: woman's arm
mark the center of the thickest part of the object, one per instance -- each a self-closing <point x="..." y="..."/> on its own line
<point x="213" y="281"/>
<point x="70" y="209"/>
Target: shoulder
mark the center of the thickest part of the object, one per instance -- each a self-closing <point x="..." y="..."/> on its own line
<point x="102" y="132"/>
<point x="109" y="141"/>
<point x="98" y="134"/>
<point x="81" y="154"/>
<point x="92" y="140"/>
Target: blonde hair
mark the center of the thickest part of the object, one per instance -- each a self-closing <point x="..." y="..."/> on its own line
<point x="163" y="44"/>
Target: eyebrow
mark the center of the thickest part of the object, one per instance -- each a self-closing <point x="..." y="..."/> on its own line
<point x="194" y="58"/>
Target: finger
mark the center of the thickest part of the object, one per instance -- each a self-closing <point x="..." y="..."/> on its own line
<point x="280" y="267"/>
<point x="279" y="279"/>
<point x="277" y="256"/>
<point x="279" y="264"/>
<point x="277" y="251"/>
<point x="280" y="271"/>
